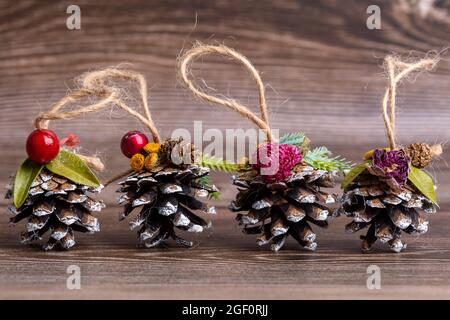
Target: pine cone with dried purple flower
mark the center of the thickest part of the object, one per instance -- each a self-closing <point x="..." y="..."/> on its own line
<point x="382" y="198"/>
<point x="59" y="206"/>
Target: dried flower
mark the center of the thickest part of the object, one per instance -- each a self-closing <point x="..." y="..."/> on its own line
<point x="393" y="165"/>
<point x="150" y="160"/>
<point x="152" y="147"/>
<point x="71" y="141"/>
<point x="244" y="161"/>
<point x="369" y="154"/>
<point x="277" y="160"/>
<point x="244" y="164"/>
<point x="137" y="162"/>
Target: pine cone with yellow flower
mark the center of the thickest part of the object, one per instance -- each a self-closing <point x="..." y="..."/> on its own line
<point x="166" y="188"/>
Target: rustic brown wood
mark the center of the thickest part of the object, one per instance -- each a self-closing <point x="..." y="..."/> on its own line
<point x="322" y="68"/>
<point x="225" y="264"/>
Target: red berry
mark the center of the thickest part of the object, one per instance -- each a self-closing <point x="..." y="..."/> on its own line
<point x="42" y="146"/>
<point x="132" y="143"/>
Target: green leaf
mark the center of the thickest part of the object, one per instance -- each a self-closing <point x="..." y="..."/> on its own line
<point x="423" y="182"/>
<point x="217" y="164"/>
<point x="215" y="195"/>
<point x="25" y="176"/>
<point x="70" y="166"/>
<point x="320" y="158"/>
<point x="356" y="171"/>
<point x="295" y="139"/>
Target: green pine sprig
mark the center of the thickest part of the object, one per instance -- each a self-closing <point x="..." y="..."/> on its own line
<point x="320" y="158"/>
<point x="203" y="181"/>
<point x="296" y="139"/>
<point x="217" y="164"/>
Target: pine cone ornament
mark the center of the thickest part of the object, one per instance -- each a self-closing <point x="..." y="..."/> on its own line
<point x="281" y="189"/>
<point x="59" y="206"/>
<point x="286" y="202"/>
<point x="383" y="198"/>
<point x="167" y="194"/>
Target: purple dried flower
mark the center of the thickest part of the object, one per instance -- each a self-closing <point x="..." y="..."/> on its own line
<point x="392" y="164"/>
<point x="276" y="161"/>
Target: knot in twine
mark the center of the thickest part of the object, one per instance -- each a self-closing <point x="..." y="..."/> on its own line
<point x="95" y="84"/>
<point x="396" y="71"/>
<point x="200" y="50"/>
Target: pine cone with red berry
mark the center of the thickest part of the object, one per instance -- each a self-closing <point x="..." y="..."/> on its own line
<point x="51" y="191"/>
<point x="166" y="187"/>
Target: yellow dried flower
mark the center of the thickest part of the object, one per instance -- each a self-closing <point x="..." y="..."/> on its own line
<point x="244" y="161"/>
<point x="152" y="147"/>
<point x="150" y="160"/>
<point x="244" y="164"/>
<point x="137" y="162"/>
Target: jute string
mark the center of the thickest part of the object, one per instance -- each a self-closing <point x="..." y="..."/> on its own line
<point x="95" y="85"/>
<point x="202" y="50"/>
<point x="396" y="71"/>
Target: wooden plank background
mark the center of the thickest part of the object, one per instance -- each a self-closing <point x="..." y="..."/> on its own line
<point x="322" y="69"/>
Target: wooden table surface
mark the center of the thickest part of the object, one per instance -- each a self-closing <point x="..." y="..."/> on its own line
<point x="321" y="66"/>
<point x="226" y="264"/>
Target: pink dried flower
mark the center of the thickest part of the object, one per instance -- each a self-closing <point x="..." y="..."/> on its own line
<point x="275" y="161"/>
<point x="71" y="141"/>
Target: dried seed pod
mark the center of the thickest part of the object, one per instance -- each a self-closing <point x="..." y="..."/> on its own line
<point x="178" y="152"/>
<point x="420" y="154"/>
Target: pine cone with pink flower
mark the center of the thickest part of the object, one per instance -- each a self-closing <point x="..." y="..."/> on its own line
<point x="281" y="192"/>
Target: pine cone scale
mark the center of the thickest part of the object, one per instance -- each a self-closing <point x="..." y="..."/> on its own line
<point x="44" y="208"/>
<point x="294" y="214"/>
<point x="59" y="231"/>
<point x="317" y="212"/>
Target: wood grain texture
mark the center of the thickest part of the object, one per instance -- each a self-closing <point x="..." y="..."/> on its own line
<point x="225" y="264"/>
<point x="322" y="69"/>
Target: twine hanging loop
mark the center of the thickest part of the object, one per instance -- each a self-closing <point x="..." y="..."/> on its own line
<point x="96" y="85"/>
<point x="199" y="51"/>
<point x="396" y="71"/>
